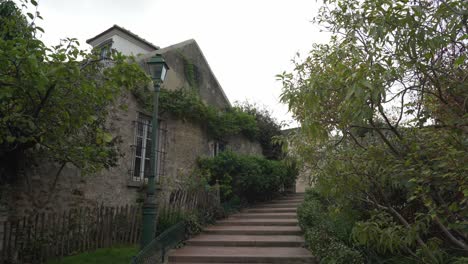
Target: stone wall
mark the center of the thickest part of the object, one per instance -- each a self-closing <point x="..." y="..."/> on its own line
<point x="205" y="83"/>
<point x="242" y="145"/>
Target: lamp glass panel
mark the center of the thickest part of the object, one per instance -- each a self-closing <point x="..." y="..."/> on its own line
<point x="163" y="72"/>
<point x="156" y="70"/>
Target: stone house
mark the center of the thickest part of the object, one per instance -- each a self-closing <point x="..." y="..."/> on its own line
<point x="181" y="142"/>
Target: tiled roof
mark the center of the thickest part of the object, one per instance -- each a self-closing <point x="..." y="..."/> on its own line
<point x="126" y="31"/>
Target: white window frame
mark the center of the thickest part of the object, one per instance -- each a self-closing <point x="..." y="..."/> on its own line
<point x="217" y="147"/>
<point x="145" y="123"/>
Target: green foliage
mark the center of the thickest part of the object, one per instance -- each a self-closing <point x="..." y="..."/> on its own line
<point x="192" y="75"/>
<point x="54" y="100"/>
<point x="268" y="129"/>
<point x="187" y="105"/>
<point x="250" y="178"/>
<point x="114" y="255"/>
<point x="167" y="219"/>
<point x="194" y="221"/>
<point x="383" y="116"/>
<point x="327" y="230"/>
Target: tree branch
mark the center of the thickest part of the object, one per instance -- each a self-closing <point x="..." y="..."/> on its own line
<point x="355" y="140"/>
<point x="384" y="139"/>
<point x="449" y="235"/>
<point x="44" y="100"/>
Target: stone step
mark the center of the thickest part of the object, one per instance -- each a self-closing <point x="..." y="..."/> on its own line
<point x="291" y="200"/>
<point x="279" y="205"/>
<point x="245" y="241"/>
<point x="294" y="200"/>
<point x="192" y="254"/>
<point x="265" y="215"/>
<point x="254" y="230"/>
<point x="271" y="210"/>
<point x="258" y="222"/>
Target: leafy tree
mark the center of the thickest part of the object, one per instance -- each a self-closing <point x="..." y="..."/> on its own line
<point x="54" y="101"/>
<point x="384" y="122"/>
<point x="268" y="129"/>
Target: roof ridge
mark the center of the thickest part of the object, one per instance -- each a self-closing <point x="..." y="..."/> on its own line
<point x="126" y="31"/>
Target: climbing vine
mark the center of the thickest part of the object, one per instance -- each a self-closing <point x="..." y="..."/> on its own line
<point x="192" y="75"/>
<point x="186" y="105"/>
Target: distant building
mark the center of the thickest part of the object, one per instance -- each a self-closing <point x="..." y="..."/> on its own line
<point x="304" y="180"/>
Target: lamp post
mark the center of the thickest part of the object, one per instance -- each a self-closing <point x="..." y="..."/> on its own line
<point x="158" y="69"/>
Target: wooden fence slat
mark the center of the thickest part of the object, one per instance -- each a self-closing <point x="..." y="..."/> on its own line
<point x="127" y="224"/>
<point x="35" y="236"/>
<point x="123" y="225"/>
<point x="101" y="227"/>
<point x="2" y="248"/>
<point x="62" y="234"/>
<point x="106" y="227"/>
<point x="42" y="238"/>
<point x="87" y="225"/>
<point x="6" y="245"/>
<point x="113" y="212"/>
<point x="132" y="229"/>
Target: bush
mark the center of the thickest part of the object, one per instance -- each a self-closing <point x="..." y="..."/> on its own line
<point x="268" y="128"/>
<point x="248" y="178"/>
<point x="327" y="230"/>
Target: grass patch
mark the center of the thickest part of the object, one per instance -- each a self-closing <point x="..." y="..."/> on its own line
<point x="114" y="255"/>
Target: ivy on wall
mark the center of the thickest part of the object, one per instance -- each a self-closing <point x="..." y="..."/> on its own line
<point x="191" y="71"/>
<point x="186" y="105"/>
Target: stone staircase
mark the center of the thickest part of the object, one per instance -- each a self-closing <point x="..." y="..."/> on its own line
<point x="266" y="233"/>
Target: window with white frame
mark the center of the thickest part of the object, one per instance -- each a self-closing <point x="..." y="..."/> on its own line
<point x="141" y="162"/>
<point x="217" y="147"/>
<point x="141" y="165"/>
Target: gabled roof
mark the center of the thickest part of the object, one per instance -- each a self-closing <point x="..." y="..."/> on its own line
<point x="125" y="31"/>
<point x="288" y="131"/>
<point x="186" y="43"/>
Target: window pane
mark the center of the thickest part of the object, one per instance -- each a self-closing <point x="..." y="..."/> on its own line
<point x="140" y="127"/>
<point x="148" y="149"/>
<point x="139" y="147"/>
<point x="147" y="168"/>
<point x="136" y="170"/>
<point x="149" y="129"/>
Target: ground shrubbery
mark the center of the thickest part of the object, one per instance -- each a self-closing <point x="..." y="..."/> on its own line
<point x="327" y="230"/>
<point x="245" y="178"/>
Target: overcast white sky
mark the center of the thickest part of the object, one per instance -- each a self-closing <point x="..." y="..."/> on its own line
<point x="246" y="42"/>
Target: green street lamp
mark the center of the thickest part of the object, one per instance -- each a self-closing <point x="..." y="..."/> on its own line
<point x="158" y="69"/>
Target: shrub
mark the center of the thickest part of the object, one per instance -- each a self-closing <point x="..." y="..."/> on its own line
<point x="268" y="128"/>
<point x="248" y="178"/>
<point x="327" y="230"/>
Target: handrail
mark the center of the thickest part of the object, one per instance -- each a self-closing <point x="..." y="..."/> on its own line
<point x="156" y="250"/>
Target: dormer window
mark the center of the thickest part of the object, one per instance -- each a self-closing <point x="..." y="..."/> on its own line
<point x="105" y="49"/>
<point x="105" y="52"/>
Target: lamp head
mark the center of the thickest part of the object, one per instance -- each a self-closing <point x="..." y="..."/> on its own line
<point x="157" y="68"/>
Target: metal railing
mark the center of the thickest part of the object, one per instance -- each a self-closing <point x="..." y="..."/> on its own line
<point x="156" y="251"/>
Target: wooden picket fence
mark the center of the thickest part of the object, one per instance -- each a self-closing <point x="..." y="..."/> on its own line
<point x="39" y="237"/>
<point x="44" y="236"/>
<point x="189" y="200"/>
